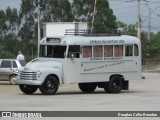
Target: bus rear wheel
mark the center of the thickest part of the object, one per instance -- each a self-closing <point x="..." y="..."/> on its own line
<point x="114" y="85"/>
<point x="50" y="86"/>
<point x="28" y="89"/>
<point x="87" y="87"/>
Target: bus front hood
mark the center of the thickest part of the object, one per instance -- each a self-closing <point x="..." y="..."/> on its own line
<point x="37" y="64"/>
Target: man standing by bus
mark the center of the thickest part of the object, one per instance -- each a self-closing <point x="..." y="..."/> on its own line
<point x="21" y="58"/>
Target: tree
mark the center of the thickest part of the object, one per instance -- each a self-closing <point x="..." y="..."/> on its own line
<point x="104" y="19"/>
<point x="56" y="11"/>
<point x="11" y="21"/>
<point x="8" y="34"/>
<point x="51" y="11"/>
<point x="24" y="22"/>
<point x="154" y="45"/>
<point x="131" y="30"/>
<point x="3" y="25"/>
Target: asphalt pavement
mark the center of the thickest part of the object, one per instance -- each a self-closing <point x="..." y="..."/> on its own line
<point x="142" y="95"/>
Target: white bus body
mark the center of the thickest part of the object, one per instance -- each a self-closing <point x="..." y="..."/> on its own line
<point x="108" y="62"/>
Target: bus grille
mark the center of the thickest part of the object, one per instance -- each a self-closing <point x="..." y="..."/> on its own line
<point x="28" y="75"/>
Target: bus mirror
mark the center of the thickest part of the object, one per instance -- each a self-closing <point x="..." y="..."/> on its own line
<point x="64" y="54"/>
<point x="72" y="56"/>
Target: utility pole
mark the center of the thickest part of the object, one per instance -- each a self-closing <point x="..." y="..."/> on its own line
<point x="94" y="13"/>
<point x="138" y="20"/>
<point x="149" y="25"/>
<point x="39" y="29"/>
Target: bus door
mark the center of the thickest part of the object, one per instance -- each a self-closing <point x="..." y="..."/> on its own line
<point x="73" y="64"/>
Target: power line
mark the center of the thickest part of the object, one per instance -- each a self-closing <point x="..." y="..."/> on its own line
<point x="39" y="32"/>
<point x="133" y="12"/>
<point x="151" y="18"/>
<point x="154" y="2"/>
<point x="124" y="7"/>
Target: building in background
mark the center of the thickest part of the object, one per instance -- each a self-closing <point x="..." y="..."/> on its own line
<point x="59" y="28"/>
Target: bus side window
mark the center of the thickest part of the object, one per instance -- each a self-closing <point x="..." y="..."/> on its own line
<point x="118" y="50"/>
<point x="87" y="51"/>
<point x="74" y="49"/>
<point x="129" y="50"/>
<point x="108" y="51"/>
<point x="97" y="51"/>
<point x="136" y="53"/>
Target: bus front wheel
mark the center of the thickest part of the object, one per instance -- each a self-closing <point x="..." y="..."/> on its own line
<point x="50" y="86"/>
<point x="28" y="89"/>
<point x="114" y="85"/>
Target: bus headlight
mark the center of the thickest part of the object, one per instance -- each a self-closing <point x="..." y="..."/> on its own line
<point x="39" y="72"/>
<point x="17" y="71"/>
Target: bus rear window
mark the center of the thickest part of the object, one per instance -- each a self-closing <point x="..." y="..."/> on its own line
<point x="136" y="53"/>
<point x="129" y="50"/>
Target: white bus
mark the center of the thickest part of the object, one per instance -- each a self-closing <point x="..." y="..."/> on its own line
<point x="107" y="62"/>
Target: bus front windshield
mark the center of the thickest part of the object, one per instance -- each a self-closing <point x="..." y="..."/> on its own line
<point x="51" y="51"/>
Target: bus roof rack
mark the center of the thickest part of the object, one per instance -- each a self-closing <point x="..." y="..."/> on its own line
<point x="75" y="32"/>
<point x="108" y="32"/>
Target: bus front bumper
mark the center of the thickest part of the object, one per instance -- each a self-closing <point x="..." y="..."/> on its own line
<point x="28" y="82"/>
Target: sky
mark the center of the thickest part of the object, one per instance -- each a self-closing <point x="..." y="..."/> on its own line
<point x="124" y="10"/>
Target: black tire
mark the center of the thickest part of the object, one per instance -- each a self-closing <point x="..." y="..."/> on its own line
<point x="49" y="86"/>
<point x="28" y="89"/>
<point x="87" y="87"/>
<point x="114" y="85"/>
<point x="106" y="89"/>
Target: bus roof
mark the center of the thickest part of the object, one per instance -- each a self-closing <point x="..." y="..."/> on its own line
<point x="90" y="40"/>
